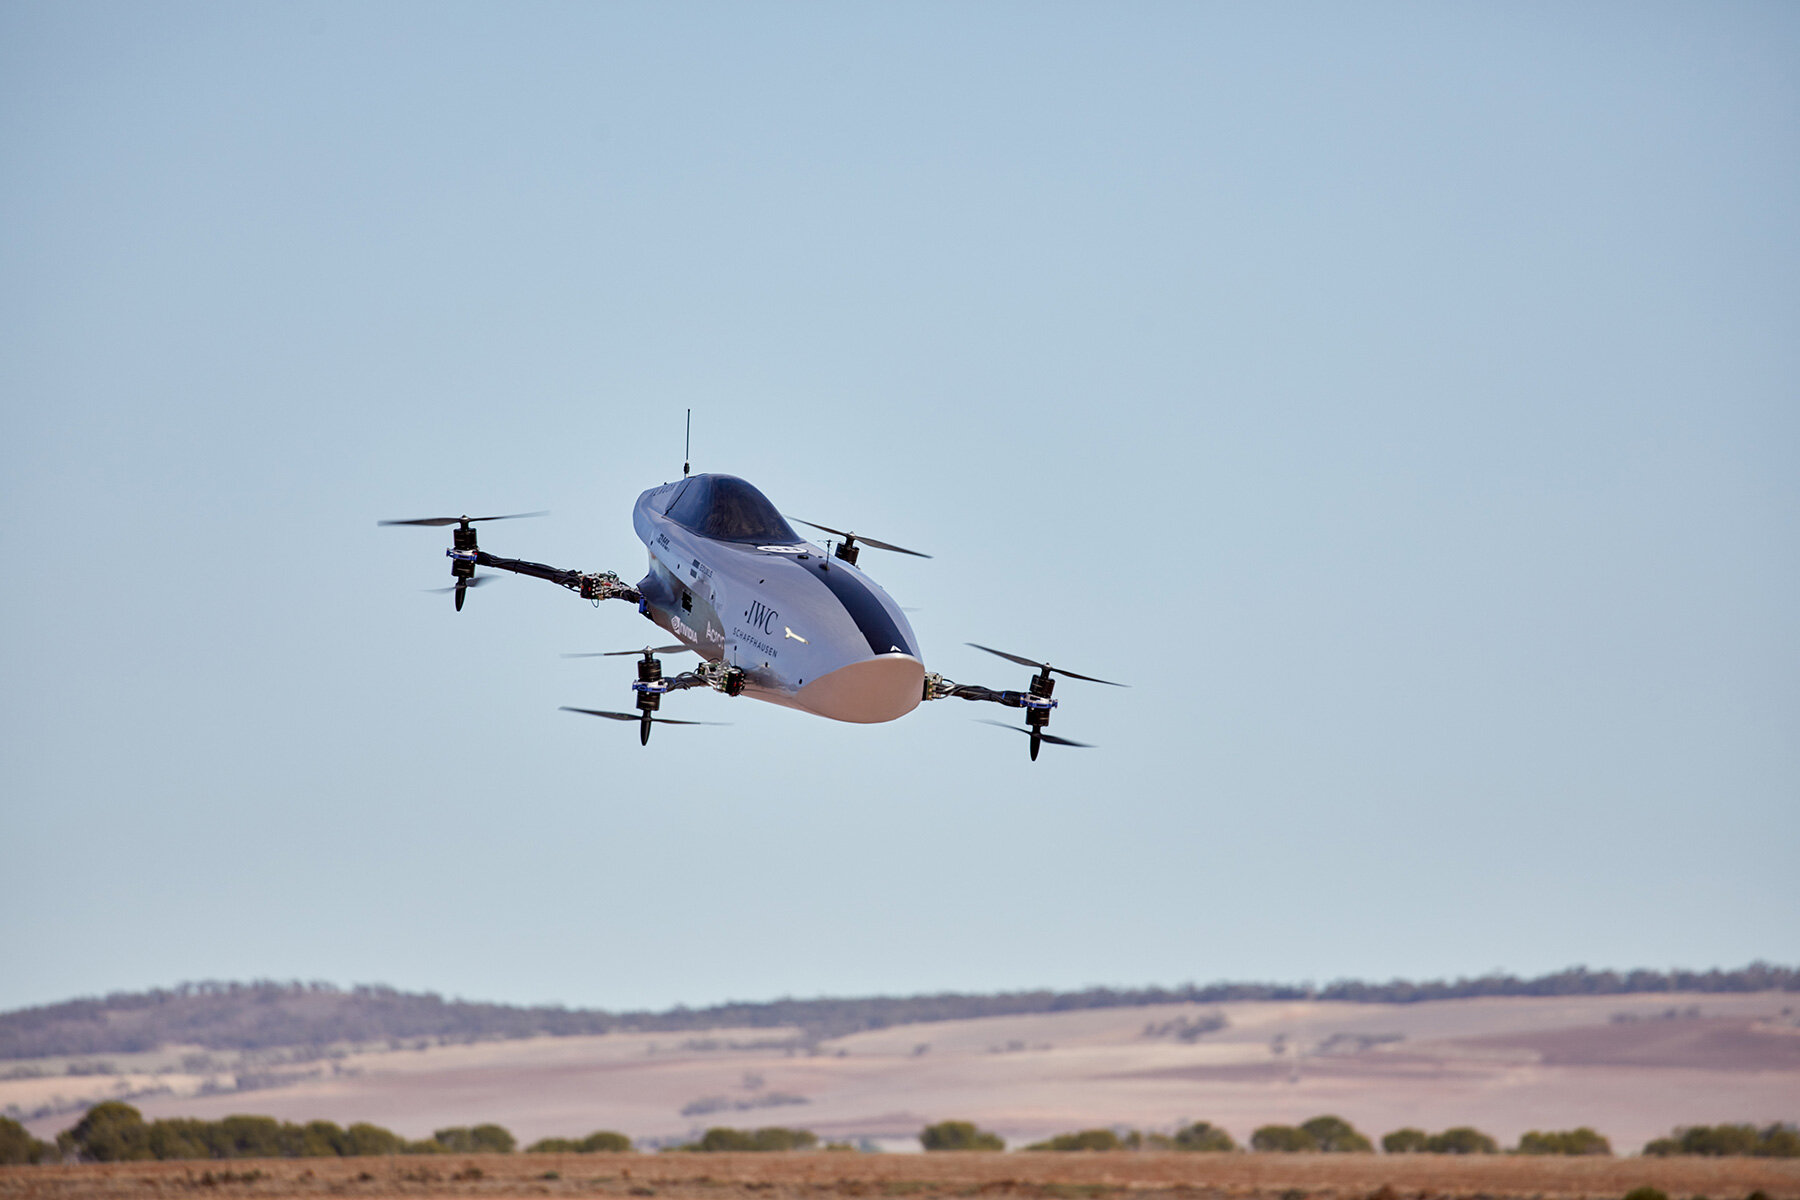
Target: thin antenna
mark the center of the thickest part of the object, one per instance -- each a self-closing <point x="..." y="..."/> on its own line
<point x="687" y="445"/>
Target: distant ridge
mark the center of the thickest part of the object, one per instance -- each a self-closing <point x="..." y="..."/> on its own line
<point x="265" y="1014"/>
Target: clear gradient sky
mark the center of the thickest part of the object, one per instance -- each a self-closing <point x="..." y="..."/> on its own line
<point x="1404" y="399"/>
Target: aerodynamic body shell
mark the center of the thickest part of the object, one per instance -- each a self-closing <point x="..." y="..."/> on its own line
<point x="731" y="579"/>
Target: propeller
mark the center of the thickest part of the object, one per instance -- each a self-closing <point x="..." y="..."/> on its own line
<point x="1046" y="668"/>
<point x="619" y="716"/>
<point x="652" y="650"/>
<point x="851" y="538"/>
<point x="1038" y="735"/>
<point x="642" y="717"/>
<point x="463" y="520"/>
<point x="477" y="581"/>
<point x="463" y="548"/>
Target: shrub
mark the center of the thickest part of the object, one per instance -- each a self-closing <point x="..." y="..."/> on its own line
<point x="1087" y="1139"/>
<point x="959" y="1135"/>
<point x="185" y="1137"/>
<point x="1564" y="1141"/>
<point x="1774" y="1141"/>
<point x="1778" y="1141"/>
<point x="1719" y="1140"/>
<point x="1646" y="1193"/>
<point x="363" y="1139"/>
<point x="720" y="1139"/>
<point x="316" y="1139"/>
<point x="481" y="1139"/>
<point x="108" y="1132"/>
<point x="601" y="1141"/>
<point x="1282" y="1138"/>
<point x="18" y="1146"/>
<point x="1461" y="1140"/>
<point x="1203" y="1136"/>
<point x="1334" y="1135"/>
<point x="115" y="1132"/>
<point x="1405" y="1141"/>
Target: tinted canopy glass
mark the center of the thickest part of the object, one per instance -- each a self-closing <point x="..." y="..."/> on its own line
<point x="727" y="508"/>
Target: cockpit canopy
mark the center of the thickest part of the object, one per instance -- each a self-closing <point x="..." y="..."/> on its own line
<point x="728" y="509"/>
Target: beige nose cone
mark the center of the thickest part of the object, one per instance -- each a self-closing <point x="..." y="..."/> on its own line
<point x="877" y="689"/>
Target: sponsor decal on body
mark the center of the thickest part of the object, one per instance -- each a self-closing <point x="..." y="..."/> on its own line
<point x="746" y="638"/>
<point x="761" y="616"/>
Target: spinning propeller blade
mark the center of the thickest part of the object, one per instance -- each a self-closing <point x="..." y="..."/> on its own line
<point x="619" y="716"/>
<point x="1040" y="736"/>
<point x="867" y="541"/>
<point x="1042" y="666"/>
<point x="463" y="520"/>
<point x="478" y="581"/>
<point x="625" y="653"/>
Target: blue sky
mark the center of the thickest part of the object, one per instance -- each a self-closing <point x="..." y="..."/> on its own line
<point x="1402" y="398"/>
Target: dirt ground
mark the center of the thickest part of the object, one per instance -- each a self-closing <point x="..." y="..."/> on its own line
<point x="819" y="1176"/>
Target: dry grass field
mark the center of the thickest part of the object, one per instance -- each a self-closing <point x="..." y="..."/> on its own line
<point x="827" y="1176"/>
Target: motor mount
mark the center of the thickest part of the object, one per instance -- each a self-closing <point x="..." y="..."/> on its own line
<point x="649" y="687"/>
<point x="462" y="559"/>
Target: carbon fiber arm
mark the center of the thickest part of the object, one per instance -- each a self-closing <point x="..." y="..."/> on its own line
<point x="939" y="688"/>
<point x="600" y="585"/>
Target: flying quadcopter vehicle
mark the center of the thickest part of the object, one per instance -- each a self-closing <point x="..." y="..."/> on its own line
<point x="772" y="616"/>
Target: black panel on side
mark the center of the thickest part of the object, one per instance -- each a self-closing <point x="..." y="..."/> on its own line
<point x="871" y="618"/>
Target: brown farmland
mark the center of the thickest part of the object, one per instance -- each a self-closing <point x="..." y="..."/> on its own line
<point x="1632" y="1067"/>
<point x="827" y="1176"/>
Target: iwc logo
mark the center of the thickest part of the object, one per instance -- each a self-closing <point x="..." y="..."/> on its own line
<point x="760" y="616"/>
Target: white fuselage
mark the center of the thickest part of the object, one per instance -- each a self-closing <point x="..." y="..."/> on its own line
<point x="810" y="631"/>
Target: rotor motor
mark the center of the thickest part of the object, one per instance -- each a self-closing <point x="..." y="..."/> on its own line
<point x="649" y="687"/>
<point x="462" y="551"/>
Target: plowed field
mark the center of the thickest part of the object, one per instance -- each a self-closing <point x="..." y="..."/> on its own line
<point x="821" y="1176"/>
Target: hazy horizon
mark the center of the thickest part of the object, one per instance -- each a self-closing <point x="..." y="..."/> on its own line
<point x="1123" y="989"/>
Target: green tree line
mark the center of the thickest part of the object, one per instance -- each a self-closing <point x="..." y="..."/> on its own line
<point x="773" y="1138"/>
<point x="1201" y="1136"/>
<point x="1771" y="1141"/>
<point x="1333" y="1135"/>
<point x="116" y="1132"/>
<point x="602" y="1141"/>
